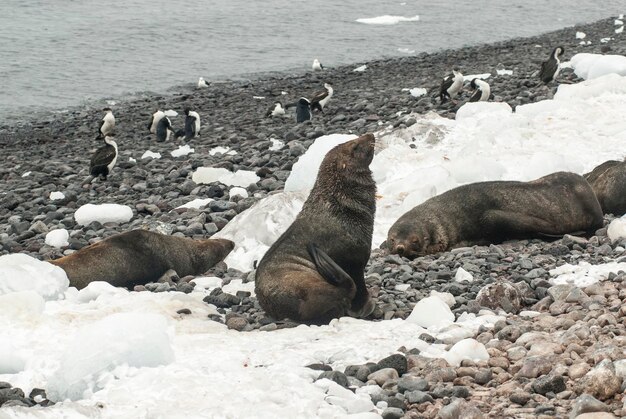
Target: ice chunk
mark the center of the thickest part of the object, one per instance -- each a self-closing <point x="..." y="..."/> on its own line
<point x="617" y="229"/>
<point x="276" y="144"/>
<point x="463" y="276"/>
<point x="237" y="191"/>
<point x="171" y="112"/>
<point x="418" y="92"/>
<point x="471" y="77"/>
<point x="103" y="213"/>
<point x="196" y="203"/>
<point x="431" y="311"/>
<point x="241" y="178"/>
<point x="591" y="66"/>
<point x="183" y="150"/>
<point x="360" y="69"/>
<point x="20" y="272"/>
<point x="387" y="20"/>
<point x="581" y="35"/>
<point x="466" y="349"/>
<point x="57" y="238"/>
<point x="446" y="297"/>
<point x="151" y="155"/>
<point x="207" y="282"/>
<point x="222" y="150"/>
<point x="503" y="72"/>
<point x="95" y="289"/>
<point x="584" y="274"/>
<point x="56" y="196"/>
<point x="620" y="29"/>
<point x="133" y="339"/>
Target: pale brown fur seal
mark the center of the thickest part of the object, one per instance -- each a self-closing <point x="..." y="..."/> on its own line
<point x="315" y="271"/>
<point x="492" y="212"/>
<point x="608" y="182"/>
<point x="141" y="256"/>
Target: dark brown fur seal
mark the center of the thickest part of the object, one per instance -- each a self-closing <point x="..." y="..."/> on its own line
<point x="314" y="272"/>
<point x="141" y="256"/>
<point x="608" y="182"/>
<point x="492" y="212"/>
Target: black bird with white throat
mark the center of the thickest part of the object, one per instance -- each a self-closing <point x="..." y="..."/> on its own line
<point x="104" y="159"/>
<point x="164" y="129"/>
<point x="451" y="85"/>
<point x="303" y="110"/>
<point x="107" y="124"/>
<point x="321" y="98"/>
<point x="550" y="68"/>
<point x="481" y="90"/>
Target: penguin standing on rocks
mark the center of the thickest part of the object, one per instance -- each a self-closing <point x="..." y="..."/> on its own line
<point x="550" y="68"/>
<point x="481" y="90"/>
<point x="203" y="83"/>
<point x="321" y="98"/>
<point x="154" y="120"/>
<point x="303" y="110"/>
<point x="192" y="125"/>
<point x="164" y="129"/>
<point x="317" y="66"/>
<point x="104" y="159"/>
<point x="275" y="110"/>
<point x="451" y="85"/>
<point x="107" y="124"/>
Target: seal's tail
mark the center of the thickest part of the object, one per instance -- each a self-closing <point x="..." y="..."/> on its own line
<point x="329" y="270"/>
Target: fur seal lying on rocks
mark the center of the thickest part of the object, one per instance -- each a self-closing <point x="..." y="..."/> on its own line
<point x="141" y="256"/>
<point x="314" y="272"/>
<point x="608" y="182"/>
<point x="492" y="212"/>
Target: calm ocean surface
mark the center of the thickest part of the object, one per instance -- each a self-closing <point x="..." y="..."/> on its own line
<point x="60" y="53"/>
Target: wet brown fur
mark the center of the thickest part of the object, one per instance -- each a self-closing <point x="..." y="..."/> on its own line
<point x="608" y="182"/>
<point x="492" y="212"/>
<point x="338" y="217"/>
<point x="141" y="256"/>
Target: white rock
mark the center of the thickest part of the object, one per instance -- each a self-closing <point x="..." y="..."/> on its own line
<point x="431" y="311"/>
<point x="20" y="272"/>
<point x="462" y="275"/>
<point x="103" y="213"/>
<point x="58" y="238"/>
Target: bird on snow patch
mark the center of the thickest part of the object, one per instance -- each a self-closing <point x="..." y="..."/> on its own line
<point x="303" y="110"/>
<point x="275" y="110"/>
<point x="202" y="83"/>
<point x="317" y="66"/>
<point x="104" y="158"/>
<point x="550" y="68"/>
<point x="107" y="124"/>
<point x="192" y="125"/>
<point x="481" y="90"/>
<point x="321" y="98"/>
<point x="451" y="85"/>
<point x="164" y="129"/>
<point x="154" y="120"/>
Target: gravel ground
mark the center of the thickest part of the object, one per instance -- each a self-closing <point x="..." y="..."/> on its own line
<point x="565" y="361"/>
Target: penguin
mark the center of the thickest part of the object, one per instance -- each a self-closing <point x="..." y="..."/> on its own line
<point x="317" y="66"/>
<point x="303" y="110"/>
<point x="550" y="68"/>
<point x="107" y="124"/>
<point x="154" y="120"/>
<point x="275" y="110"/>
<point x="163" y="129"/>
<point x="481" y="90"/>
<point x="104" y="159"/>
<point x="192" y="125"/>
<point x="203" y="83"/>
<point x="321" y="98"/>
<point x="451" y="85"/>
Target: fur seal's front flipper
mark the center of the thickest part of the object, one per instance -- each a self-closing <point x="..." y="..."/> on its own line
<point x="329" y="270"/>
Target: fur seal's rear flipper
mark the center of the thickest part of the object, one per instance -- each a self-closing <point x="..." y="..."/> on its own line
<point x="514" y="224"/>
<point x="329" y="270"/>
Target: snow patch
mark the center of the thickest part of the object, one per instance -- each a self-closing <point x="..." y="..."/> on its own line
<point x="20" y="272"/>
<point x="276" y="144"/>
<point x="584" y="274"/>
<point x="592" y="66"/>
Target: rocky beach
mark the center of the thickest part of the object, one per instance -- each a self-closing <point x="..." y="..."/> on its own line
<point x="556" y="350"/>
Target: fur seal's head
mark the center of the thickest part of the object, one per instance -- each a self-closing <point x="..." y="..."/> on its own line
<point x="354" y="154"/>
<point x="220" y="248"/>
<point x="410" y="241"/>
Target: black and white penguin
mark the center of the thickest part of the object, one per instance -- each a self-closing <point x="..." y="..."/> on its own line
<point x="481" y="90"/>
<point x="550" y="68"/>
<point x="317" y="66"/>
<point x="164" y="129"/>
<point x="192" y="125"/>
<point x="451" y="85"/>
<point x="276" y="109"/>
<point x="107" y="124"/>
<point x="203" y="83"/>
<point x="154" y="120"/>
<point x="104" y="159"/>
<point x="321" y="98"/>
<point x="303" y="110"/>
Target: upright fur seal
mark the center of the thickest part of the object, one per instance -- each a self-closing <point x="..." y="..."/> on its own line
<point x="491" y="212"/>
<point x="314" y="272"/>
<point x="141" y="256"/>
<point x="608" y="182"/>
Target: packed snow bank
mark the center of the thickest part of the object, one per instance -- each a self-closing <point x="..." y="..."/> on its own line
<point x="591" y="66"/>
<point x="19" y="272"/>
<point x="119" y="341"/>
<point x="240" y="178"/>
<point x="103" y="213"/>
<point x="584" y="274"/>
<point x="487" y="141"/>
<point x="387" y="20"/>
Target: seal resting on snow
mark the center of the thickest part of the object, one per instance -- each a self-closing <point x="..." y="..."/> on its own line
<point x="141" y="256"/>
<point x="608" y="182"/>
<point x="492" y="212"/>
<point x="314" y="272"/>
